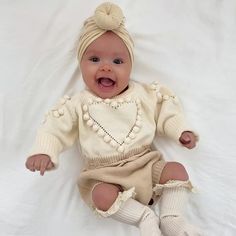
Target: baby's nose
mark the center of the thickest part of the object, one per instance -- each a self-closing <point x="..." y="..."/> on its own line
<point x="106" y="67"/>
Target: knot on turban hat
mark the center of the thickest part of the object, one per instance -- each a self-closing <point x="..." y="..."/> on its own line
<point x="107" y="17"/>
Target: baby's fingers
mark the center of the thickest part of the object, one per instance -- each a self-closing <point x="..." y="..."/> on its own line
<point x="190" y="145"/>
<point x="43" y="166"/>
<point x="50" y="165"/>
<point x="30" y="164"/>
<point x="38" y="163"/>
<point x="46" y="165"/>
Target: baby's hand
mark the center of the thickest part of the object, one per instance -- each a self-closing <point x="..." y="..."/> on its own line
<point x="39" y="162"/>
<point x="188" y="139"/>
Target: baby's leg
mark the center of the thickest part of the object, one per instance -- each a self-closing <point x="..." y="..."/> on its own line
<point x="104" y="195"/>
<point x="174" y="187"/>
<point x="111" y="201"/>
<point x="173" y="171"/>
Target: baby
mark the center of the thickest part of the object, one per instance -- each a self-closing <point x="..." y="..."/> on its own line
<point x="114" y="120"/>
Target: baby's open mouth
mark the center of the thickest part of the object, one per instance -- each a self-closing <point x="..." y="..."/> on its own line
<point x="106" y="82"/>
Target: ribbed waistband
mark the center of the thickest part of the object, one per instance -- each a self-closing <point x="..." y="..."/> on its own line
<point x="115" y="160"/>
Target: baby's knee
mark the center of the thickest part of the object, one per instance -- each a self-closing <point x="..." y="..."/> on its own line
<point x="104" y="195"/>
<point x="173" y="171"/>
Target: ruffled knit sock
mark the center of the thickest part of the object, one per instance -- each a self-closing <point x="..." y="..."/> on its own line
<point x="173" y="199"/>
<point x="134" y="213"/>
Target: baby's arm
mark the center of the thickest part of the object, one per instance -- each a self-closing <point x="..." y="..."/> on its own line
<point x="171" y="119"/>
<point x="58" y="132"/>
<point x="39" y="162"/>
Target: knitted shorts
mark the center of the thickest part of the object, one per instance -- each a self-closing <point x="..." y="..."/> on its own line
<point x="139" y="173"/>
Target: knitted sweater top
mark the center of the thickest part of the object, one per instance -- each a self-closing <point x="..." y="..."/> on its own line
<point x="110" y="130"/>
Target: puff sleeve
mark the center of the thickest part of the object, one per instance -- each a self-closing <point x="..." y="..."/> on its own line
<point x="171" y="120"/>
<point x="58" y="131"/>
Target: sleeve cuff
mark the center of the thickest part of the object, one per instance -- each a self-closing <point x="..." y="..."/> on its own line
<point x="48" y="145"/>
<point x="174" y="127"/>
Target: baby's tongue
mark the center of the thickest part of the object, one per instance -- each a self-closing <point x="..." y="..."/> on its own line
<point x="106" y="82"/>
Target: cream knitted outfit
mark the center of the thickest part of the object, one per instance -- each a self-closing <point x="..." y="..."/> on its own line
<point x="109" y="129"/>
<point x="115" y="137"/>
<point x="114" y="133"/>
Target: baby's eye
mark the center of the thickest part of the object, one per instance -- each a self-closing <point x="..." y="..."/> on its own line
<point x="94" y="59"/>
<point x="118" y="61"/>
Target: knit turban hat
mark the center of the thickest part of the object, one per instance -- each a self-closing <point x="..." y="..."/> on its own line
<point x="107" y="17"/>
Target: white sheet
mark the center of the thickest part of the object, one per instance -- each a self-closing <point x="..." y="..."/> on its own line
<point x="187" y="45"/>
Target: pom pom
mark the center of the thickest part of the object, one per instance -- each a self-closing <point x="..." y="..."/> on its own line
<point x="108" y="16"/>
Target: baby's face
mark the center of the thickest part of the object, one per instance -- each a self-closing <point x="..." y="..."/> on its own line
<point x="106" y="66"/>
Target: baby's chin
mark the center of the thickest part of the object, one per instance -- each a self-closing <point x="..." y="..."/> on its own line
<point x="110" y="94"/>
<point x="106" y="95"/>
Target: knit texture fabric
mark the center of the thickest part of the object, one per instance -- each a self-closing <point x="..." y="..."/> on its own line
<point x="107" y="17"/>
<point x="135" y="171"/>
<point x="173" y="200"/>
<point x="134" y="213"/>
<point x="137" y="115"/>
